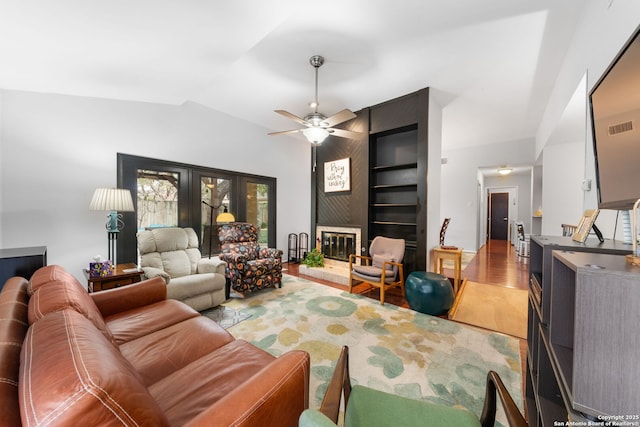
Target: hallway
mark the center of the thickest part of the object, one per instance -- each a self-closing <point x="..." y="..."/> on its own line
<point x="497" y="263"/>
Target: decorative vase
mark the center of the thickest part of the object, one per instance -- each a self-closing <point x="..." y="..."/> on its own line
<point x="429" y="293"/>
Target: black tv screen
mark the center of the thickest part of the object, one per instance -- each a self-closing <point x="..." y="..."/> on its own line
<point x="615" y="119"/>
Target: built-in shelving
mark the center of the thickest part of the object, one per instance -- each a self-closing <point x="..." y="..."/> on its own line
<point x="407" y="224"/>
<point x="394" y="167"/>
<point x="393" y="205"/>
<point x="393" y="184"/>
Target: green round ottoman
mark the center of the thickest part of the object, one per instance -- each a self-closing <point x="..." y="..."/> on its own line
<point x="429" y="293"/>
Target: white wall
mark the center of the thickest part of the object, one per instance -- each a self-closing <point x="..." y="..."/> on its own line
<point x="600" y="34"/>
<point x="459" y="194"/>
<point x="562" y="175"/>
<point x="602" y="31"/>
<point x="57" y="149"/>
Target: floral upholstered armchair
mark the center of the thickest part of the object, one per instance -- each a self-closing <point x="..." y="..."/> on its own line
<point x="249" y="266"/>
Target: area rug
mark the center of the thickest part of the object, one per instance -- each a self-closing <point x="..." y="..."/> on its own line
<point x="492" y="307"/>
<point x="391" y="348"/>
<point x="225" y="316"/>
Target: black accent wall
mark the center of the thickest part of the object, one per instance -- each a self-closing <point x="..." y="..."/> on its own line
<point x="359" y="207"/>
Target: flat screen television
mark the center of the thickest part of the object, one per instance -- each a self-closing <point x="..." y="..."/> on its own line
<point x="615" y="120"/>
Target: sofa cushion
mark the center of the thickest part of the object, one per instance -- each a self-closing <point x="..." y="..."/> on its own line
<point x="379" y="260"/>
<point x="138" y="322"/>
<point x="49" y="273"/>
<point x="173" y="250"/>
<point x="176" y="263"/>
<point x="189" y="391"/>
<point x="58" y="295"/>
<point x="156" y="355"/>
<point x="69" y="371"/>
<point x="248" y="250"/>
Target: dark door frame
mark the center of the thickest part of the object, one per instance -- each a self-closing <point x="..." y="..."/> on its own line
<point x="189" y="200"/>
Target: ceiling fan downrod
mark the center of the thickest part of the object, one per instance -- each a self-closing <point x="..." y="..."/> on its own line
<point x="316" y="61"/>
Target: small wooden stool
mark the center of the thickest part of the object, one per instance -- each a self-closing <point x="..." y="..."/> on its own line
<point x="440" y="254"/>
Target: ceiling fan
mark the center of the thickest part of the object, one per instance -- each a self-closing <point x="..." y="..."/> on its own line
<point x="318" y="126"/>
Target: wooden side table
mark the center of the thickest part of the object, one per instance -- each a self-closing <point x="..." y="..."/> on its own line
<point x="122" y="275"/>
<point x="439" y="255"/>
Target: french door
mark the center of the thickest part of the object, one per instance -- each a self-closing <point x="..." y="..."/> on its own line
<point x="169" y="194"/>
<point x="257" y="205"/>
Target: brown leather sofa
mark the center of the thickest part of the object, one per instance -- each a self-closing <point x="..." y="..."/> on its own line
<point x="130" y="356"/>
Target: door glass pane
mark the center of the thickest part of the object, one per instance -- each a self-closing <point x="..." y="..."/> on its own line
<point x="258" y="209"/>
<point x="215" y="197"/>
<point x="157" y="199"/>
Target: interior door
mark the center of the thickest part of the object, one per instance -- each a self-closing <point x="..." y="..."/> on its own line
<point x="498" y="216"/>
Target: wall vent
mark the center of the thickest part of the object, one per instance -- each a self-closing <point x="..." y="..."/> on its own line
<point x="620" y="128"/>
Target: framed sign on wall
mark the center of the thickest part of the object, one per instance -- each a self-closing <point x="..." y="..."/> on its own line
<point x="337" y="176"/>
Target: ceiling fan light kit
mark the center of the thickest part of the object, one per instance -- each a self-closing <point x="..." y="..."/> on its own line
<point x="319" y="126"/>
<point x="315" y="135"/>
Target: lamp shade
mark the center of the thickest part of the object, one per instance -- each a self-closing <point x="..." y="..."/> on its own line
<point x="112" y="199"/>
<point x="225" y="217"/>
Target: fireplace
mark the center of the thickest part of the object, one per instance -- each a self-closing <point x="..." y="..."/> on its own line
<point x="338" y="245"/>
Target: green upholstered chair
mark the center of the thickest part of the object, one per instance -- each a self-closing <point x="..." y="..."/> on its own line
<point x="373" y="408"/>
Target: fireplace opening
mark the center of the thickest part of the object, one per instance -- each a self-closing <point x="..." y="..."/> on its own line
<point x="338" y="246"/>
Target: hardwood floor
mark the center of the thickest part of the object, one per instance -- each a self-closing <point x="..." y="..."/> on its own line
<point x="495" y="263"/>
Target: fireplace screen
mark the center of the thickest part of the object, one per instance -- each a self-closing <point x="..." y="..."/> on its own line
<point x="338" y="246"/>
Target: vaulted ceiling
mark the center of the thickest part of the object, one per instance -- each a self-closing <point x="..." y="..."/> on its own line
<point x="491" y="63"/>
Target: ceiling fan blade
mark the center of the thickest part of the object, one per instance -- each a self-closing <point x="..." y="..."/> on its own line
<point x="285" y="132"/>
<point x="339" y="117"/>
<point x="292" y="117"/>
<point x="345" y="133"/>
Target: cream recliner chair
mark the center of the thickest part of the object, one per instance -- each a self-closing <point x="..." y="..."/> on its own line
<point x="173" y="254"/>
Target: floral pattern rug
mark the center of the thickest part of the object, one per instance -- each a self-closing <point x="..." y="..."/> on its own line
<point x="391" y="348"/>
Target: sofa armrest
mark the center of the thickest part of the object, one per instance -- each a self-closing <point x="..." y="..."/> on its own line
<point x="132" y="296"/>
<point x="275" y="396"/>
<point x="269" y="253"/>
<point x="151" y="272"/>
<point x="211" y="265"/>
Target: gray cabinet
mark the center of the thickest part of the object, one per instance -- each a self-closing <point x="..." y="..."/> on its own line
<point x="593" y="332"/>
<point x="583" y="305"/>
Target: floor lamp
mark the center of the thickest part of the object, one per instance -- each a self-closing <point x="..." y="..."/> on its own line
<point x="113" y="200"/>
<point x="223" y="217"/>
